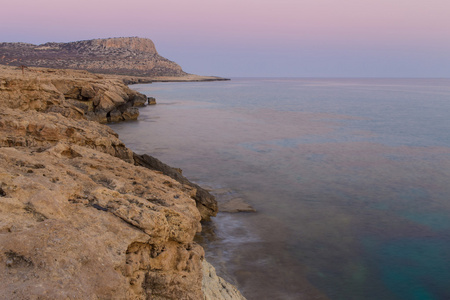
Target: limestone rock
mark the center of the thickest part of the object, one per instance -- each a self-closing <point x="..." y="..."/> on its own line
<point x="206" y="203"/>
<point x="43" y="130"/>
<point x="131" y="113"/>
<point x="127" y="56"/>
<point x="76" y="222"/>
<point x="79" y="218"/>
<point x="71" y="93"/>
<point x="215" y="287"/>
<point x="139" y="100"/>
<point x="114" y="116"/>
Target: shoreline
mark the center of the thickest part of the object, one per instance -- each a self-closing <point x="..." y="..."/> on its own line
<point x="61" y="173"/>
<point x="129" y="80"/>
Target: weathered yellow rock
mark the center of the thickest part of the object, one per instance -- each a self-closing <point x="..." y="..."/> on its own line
<point x="215" y="287"/>
<point x="42" y="130"/>
<point x="78" y="219"/>
<point x="70" y="93"/>
<point x="73" y="219"/>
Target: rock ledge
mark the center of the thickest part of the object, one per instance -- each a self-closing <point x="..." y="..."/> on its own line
<point x="78" y="218"/>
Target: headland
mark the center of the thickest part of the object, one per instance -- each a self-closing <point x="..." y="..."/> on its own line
<point x="134" y="59"/>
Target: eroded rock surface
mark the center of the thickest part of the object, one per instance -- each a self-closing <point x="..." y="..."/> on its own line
<point x="78" y="218"/>
<point x="74" y="94"/>
<point x="77" y="222"/>
<point x="39" y="130"/>
<point x="206" y="203"/>
<point x="215" y="287"/>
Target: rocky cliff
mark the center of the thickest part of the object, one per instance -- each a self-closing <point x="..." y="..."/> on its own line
<point x="127" y="56"/>
<point x="78" y="218"/>
<point x="78" y="94"/>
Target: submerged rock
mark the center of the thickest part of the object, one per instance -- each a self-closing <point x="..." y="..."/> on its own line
<point x="235" y="205"/>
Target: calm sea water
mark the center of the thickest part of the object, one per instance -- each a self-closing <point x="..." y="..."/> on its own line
<point x="350" y="179"/>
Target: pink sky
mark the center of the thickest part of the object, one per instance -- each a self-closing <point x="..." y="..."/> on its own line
<point x="250" y="38"/>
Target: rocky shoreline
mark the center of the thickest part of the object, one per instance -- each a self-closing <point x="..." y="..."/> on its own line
<point x="81" y="215"/>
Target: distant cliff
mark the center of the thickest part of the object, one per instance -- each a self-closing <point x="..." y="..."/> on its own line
<point x="126" y="56"/>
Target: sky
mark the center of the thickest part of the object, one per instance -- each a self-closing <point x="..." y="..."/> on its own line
<point x="255" y="38"/>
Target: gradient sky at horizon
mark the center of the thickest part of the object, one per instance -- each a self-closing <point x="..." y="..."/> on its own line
<point x="300" y="38"/>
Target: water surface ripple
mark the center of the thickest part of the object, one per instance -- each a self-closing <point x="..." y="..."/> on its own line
<point x="350" y="179"/>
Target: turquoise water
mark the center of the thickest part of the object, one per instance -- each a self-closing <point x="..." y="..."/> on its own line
<point x="349" y="178"/>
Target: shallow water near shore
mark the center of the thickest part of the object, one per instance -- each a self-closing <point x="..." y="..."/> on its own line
<point x="349" y="178"/>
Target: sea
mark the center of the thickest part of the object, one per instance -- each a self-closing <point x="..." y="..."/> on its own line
<point x="349" y="180"/>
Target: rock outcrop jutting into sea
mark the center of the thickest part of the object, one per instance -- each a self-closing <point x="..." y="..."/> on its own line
<point x="76" y="94"/>
<point x="127" y="56"/>
<point x="79" y="218"/>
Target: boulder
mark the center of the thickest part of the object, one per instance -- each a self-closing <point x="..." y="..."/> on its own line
<point x="114" y="116"/>
<point x="131" y="113"/>
<point x="139" y="100"/>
